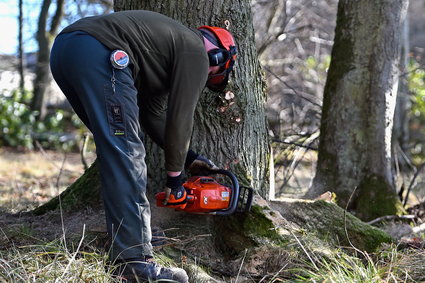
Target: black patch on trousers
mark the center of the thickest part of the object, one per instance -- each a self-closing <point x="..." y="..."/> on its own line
<point x="117" y="113"/>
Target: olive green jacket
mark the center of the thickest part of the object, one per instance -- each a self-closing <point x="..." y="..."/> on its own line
<point x="170" y="68"/>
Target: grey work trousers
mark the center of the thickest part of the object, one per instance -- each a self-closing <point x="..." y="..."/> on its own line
<point x="81" y="67"/>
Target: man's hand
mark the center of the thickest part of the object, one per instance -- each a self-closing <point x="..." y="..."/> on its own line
<point x="175" y="194"/>
<point x="199" y="165"/>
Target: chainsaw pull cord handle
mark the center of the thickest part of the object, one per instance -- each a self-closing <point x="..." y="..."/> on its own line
<point x="235" y="192"/>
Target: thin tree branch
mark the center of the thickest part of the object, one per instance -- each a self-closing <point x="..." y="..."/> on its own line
<point x="290" y="87"/>
<point x="296" y="144"/>
<point x="412" y="183"/>
<point x="56" y="20"/>
<point x="390" y="217"/>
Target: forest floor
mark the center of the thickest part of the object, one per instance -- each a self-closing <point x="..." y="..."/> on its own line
<point x="30" y="178"/>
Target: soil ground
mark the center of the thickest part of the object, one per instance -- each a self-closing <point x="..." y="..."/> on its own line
<point x="30" y="178"/>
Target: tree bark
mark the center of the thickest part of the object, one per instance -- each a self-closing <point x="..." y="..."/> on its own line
<point x="235" y="137"/>
<point x="358" y="108"/>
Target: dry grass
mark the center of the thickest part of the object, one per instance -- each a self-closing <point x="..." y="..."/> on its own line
<point x="29" y="178"/>
<point x="54" y="262"/>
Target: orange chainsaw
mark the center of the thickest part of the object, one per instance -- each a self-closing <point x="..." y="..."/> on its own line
<point x="205" y="195"/>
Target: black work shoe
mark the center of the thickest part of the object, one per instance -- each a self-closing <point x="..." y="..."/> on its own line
<point x="134" y="270"/>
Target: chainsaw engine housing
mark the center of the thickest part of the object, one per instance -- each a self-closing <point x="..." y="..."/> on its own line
<point x="205" y="194"/>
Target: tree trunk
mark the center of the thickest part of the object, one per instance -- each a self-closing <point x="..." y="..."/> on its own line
<point x="21" y="48"/>
<point x="234" y="137"/>
<point x="44" y="39"/>
<point x="42" y="68"/>
<point x="358" y="108"/>
<point x="401" y="118"/>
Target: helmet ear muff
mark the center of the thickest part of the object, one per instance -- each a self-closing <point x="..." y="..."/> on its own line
<point x="218" y="57"/>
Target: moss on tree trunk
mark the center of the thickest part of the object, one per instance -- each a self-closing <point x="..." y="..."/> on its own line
<point x="332" y="224"/>
<point x="248" y="230"/>
<point x="374" y="200"/>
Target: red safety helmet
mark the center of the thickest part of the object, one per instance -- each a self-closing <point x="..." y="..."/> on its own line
<point x="223" y="56"/>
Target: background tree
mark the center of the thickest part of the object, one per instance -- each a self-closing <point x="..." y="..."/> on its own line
<point x="44" y="39"/>
<point x="401" y="133"/>
<point x="358" y="107"/>
<point x="21" y="47"/>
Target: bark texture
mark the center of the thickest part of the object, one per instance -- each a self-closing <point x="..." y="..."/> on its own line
<point x="358" y="107"/>
<point x="232" y="136"/>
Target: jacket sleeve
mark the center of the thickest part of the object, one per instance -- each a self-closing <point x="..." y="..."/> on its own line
<point x="189" y="74"/>
<point x="153" y="117"/>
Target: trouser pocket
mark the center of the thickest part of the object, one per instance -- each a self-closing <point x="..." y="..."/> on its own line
<point x="115" y="111"/>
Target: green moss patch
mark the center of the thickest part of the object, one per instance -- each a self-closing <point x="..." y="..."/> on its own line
<point x="246" y="230"/>
<point x="376" y="198"/>
<point x="330" y="223"/>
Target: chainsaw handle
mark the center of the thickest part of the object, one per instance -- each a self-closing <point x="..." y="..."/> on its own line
<point x="234" y="196"/>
